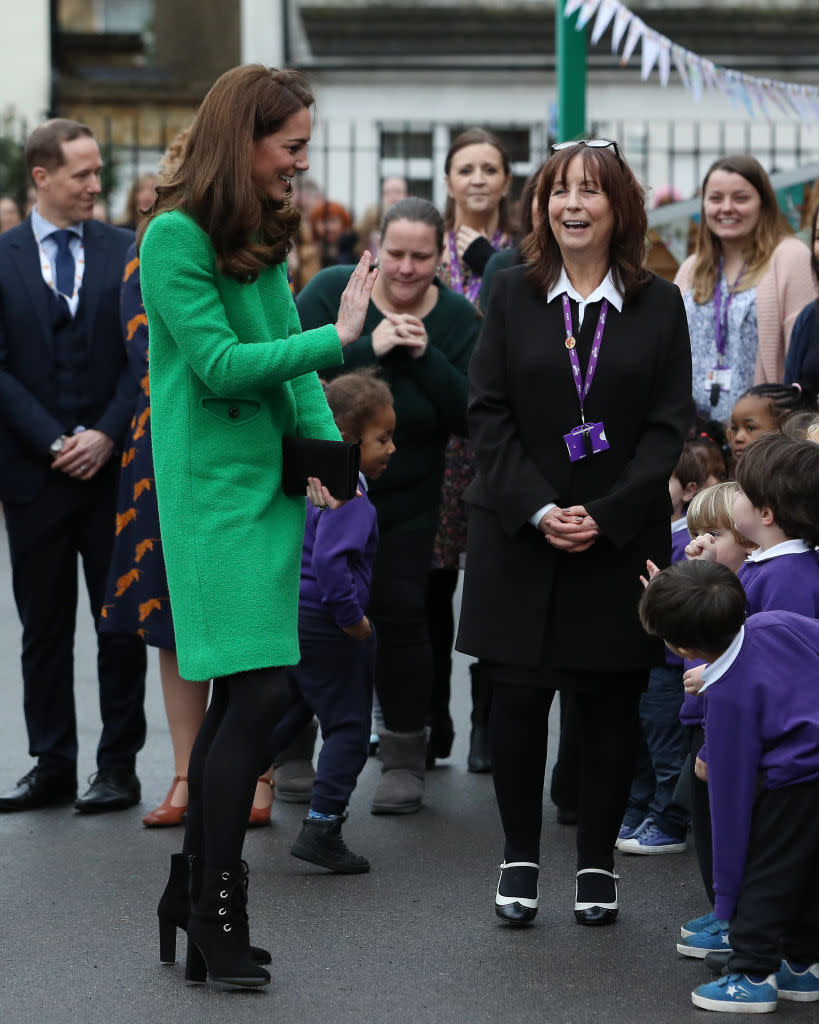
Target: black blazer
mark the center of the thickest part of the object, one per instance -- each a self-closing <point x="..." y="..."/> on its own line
<point x="28" y="383"/>
<point x="520" y="594"/>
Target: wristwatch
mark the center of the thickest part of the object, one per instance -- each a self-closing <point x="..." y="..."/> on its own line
<point x="57" y="446"/>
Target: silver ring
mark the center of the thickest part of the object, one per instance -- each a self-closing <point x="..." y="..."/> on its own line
<point x="321" y="508"/>
<point x="83" y="468"/>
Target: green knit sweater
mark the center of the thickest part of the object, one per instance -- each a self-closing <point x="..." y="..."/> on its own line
<point x="429" y="393"/>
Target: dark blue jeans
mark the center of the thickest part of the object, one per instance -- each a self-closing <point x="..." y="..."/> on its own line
<point x="663" y="750"/>
<point x="333" y="681"/>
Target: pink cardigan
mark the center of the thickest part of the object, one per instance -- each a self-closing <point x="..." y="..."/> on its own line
<point x="783" y="291"/>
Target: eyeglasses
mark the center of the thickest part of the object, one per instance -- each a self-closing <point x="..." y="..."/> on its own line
<point x="592" y="144"/>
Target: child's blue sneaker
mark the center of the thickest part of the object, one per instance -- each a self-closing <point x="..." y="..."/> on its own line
<point x="801" y="984"/>
<point x="696" y="924"/>
<point x="714" y="936"/>
<point x="737" y="993"/>
<point x="629" y="831"/>
<point x="651" y="839"/>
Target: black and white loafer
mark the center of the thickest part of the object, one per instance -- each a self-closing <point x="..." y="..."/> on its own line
<point x="595" y="909"/>
<point x="517" y="893"/>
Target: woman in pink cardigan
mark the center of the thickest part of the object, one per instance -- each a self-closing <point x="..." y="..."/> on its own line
<point x="743" y="287"/>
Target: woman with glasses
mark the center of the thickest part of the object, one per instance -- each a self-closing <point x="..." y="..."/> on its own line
<point x="579" y="403"/>
<point x="743" y="287"/>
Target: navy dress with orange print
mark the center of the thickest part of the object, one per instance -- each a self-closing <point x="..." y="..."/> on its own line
<point x="136" y="599"/>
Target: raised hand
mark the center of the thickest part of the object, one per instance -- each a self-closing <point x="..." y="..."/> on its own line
<point x="355" y="300"/>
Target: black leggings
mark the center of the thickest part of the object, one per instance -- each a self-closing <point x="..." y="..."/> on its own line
<point x="606" y="735"/>
<point x="227" y="758"/>
<point x="398" y="605"/>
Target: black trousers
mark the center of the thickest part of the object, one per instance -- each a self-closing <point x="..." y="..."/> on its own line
<point x="606" y="733"/>
<point x="71" y="519"/>
<point x="700" y="810"/>
<point x="398" y="606"/>
<point x="777" y="912"/>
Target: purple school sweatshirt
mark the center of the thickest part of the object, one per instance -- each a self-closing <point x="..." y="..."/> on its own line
<point x="762" y="721"/>
<point x="782" y="582"/>
<point x="337" y="559"/>
<point x="680" y="537"/>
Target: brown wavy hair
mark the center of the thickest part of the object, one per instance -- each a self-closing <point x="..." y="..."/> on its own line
<point x="479" y="137"/>
<point x="769" y="232"/>
<point x="214" y="185"/>
<point x="628" y="240"/>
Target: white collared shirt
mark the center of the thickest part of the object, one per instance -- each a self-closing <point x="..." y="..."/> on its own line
<point x="786" y="547"/>
<point x="679" y="525"/>
<point x="724" y="661"/>
<point x="42" y="229"/>
<point x="607" y="289"/>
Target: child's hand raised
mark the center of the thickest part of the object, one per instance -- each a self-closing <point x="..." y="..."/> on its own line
<point x="692" y="680"/>
<point x="703" y="547"/>
<point x="652" y="571"/>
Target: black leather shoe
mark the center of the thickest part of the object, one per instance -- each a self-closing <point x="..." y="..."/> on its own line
<point x="38" y="790"/>
<point x="511" y="905"/>
<point x="110" y="790"/>
<point x="595" y="909"/>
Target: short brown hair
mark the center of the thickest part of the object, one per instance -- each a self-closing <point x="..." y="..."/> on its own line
<point x="214" y="184"/>
<point x="355" y="398"/>
<point x="691" y="467"/>
<point x="698" y="605"/>
<point x="782" y="474"/>
<point x="44" y="147"/>
<point x="627" y="198"/>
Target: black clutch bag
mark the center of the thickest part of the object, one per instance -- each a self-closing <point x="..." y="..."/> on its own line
<point x="335" y="463"/>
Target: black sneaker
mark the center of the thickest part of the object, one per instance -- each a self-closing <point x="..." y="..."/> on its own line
<point x="320" y="842"/>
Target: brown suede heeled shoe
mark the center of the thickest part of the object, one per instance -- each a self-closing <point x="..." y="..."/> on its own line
<point x="166" y="815"/>
<point x="260" y="816"/>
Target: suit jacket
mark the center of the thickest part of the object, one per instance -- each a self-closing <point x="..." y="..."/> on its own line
<point x="29" y="420"/>
<point x="522" y="597"/>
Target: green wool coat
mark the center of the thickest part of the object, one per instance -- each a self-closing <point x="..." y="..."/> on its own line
<point x="231" y="372"/>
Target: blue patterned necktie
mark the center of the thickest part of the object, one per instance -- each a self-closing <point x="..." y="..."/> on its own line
<point x="65" y="262"/>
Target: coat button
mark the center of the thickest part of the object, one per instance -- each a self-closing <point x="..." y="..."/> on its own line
<point x="233" y="412"/>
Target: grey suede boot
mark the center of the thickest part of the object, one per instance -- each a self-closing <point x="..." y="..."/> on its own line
<point x="293" y="770"/>
<point x="403" y="760"/>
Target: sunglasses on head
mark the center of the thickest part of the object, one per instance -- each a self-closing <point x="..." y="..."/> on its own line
<point x="592" y="144"/>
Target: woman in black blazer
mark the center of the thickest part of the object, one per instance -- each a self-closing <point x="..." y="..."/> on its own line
<point x="560" y="528"/>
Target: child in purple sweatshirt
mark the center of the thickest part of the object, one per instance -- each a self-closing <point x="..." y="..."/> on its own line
<point x="334" y="679"/>
<point x="762" y="721"/>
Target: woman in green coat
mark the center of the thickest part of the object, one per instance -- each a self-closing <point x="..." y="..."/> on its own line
<point x="231" y="373"/>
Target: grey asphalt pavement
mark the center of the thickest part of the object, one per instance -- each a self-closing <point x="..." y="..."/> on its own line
<point x="414" y="940"/>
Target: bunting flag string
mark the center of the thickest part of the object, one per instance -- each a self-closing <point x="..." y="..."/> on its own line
<point x="698" y="74"/>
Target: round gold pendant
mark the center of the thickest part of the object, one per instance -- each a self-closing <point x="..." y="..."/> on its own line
<point x="570" y="342"/>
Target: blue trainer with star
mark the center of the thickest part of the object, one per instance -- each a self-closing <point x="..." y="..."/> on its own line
<point x="798" y="982"/>
<point x="714" y="936"/>
<point x="737" y="993"/>
<point x="696" y="924"/>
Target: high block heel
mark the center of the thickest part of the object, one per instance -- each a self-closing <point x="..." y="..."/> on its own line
<point x="595" y="911"/>
<point x="513" y="907"/>
<point x="217" y="937"/>
<point x="175" y="907"/>
<point x="196" y="970"/>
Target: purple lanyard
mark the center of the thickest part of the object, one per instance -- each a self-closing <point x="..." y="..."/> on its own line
<point x="456" y="278"/>
<point x="571" y="344"/>
<point x="720" y="314"/>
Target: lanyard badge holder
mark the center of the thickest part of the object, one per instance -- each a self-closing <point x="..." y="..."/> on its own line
<point x="719" y="378"/>
<point x="587" y="438"/>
